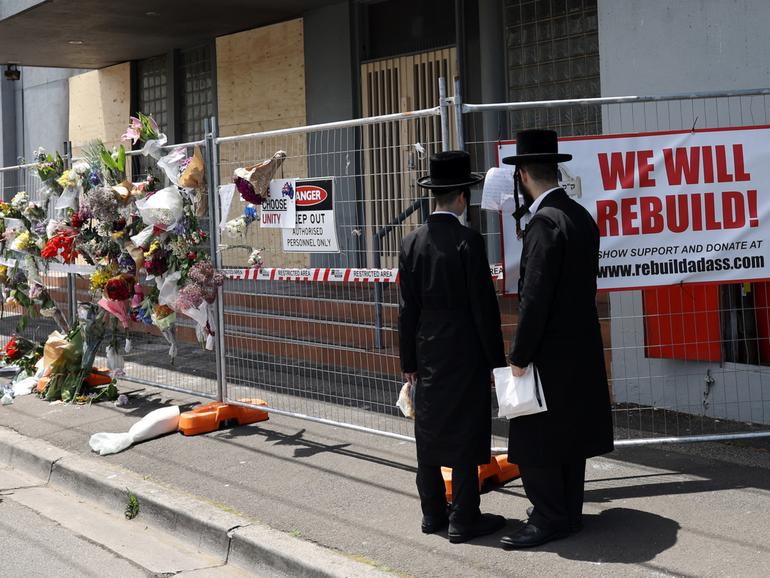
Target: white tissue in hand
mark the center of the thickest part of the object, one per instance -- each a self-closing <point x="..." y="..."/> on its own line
<point x="156" y="423"/>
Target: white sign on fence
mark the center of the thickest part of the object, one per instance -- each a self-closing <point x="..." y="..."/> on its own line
<point x="279" y="209"/>
<point x="315" y="231"/>
<point x="671" y="207"/>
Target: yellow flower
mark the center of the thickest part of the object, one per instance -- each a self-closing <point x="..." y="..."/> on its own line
<point x="67" y="179"/>
<point x="3" y="274"/>
<point x="99" y="279"/>
<point x="153" y="247"/>
<point x="23" y="241"/>
<point x="4" y="208"/>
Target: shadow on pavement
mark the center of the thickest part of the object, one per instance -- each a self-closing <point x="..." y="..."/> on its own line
<point x="616" y="535"/>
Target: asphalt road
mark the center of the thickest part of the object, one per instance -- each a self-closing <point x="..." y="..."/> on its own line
<point x="34" y="546"/>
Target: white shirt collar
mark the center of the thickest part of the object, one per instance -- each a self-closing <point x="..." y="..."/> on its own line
<point x="536" y="205"/>
<point x="445" y="213"/>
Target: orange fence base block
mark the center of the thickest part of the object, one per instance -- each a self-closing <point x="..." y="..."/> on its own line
<point x="211" y="416"/>
<point x="499" y="470"/>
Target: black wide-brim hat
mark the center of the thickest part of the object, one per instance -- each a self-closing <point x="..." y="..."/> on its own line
<point x="449" y="171"/>
<point x="537" y="146"/>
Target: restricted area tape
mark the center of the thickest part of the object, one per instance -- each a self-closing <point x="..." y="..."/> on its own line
<point x="327" y="274"/>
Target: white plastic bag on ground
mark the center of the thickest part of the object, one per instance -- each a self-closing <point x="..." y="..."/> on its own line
<point x="156" y="423"/>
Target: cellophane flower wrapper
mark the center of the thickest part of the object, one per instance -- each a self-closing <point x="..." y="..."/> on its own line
<point x="118" y="309"/>
<point x="168" y="289"/>
<point x="115" y="362"/>
<point x="154" y="147"/>
<point x="163" y="210"/>
<point x="170" y="164"/>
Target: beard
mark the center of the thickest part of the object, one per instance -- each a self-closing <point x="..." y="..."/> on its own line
<point x="526" y="194"/>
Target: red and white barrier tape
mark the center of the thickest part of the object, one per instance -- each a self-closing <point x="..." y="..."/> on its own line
<point x="327" y="274"/>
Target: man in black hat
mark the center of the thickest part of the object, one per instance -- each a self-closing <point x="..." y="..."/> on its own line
<point x="558" y="331"/>
<point x="450" y="340"/>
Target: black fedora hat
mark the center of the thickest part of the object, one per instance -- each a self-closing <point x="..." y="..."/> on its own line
<point x="449" y="170"/>
<point x="537" y="146"/>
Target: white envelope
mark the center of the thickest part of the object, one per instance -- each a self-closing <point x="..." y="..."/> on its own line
<point x="517" y="396"/>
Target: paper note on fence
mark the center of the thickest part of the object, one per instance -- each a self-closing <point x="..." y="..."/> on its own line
<point x="498" y="186"/>
<point x="279" y="209"/>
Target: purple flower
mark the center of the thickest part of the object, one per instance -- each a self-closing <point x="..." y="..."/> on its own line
<point x="126" y="263"/>
<point x="39" y="228"/>
<point x="247" y="192"/>
<point x="94" y="178"/>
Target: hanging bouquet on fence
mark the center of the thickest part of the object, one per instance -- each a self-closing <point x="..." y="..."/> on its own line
<point x="144" y="241"/>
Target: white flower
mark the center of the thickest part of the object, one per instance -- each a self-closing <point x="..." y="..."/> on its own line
<point x="255" y="259"/>
<point x="236" y="227"/>
<point x="20" y="200"/>
<point x="48" y="312"/>
<point x="81" y="168"/>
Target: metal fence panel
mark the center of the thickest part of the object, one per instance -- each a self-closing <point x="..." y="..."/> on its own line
<point x="147" y="362"/>
<point x="321" y="348"/>
<point x="656" y="397"/>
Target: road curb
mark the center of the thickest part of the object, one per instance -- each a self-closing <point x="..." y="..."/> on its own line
<point x="229" y="537"/>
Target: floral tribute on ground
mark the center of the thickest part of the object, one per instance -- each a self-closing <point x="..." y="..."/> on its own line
<point x="144" y="242"/>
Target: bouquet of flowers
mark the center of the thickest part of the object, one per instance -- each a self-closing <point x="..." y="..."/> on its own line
<point x="253" y="182"/>
<point x="23" y="353"/>
<point x="237" y="227"/>
<point x="117" y="292"/>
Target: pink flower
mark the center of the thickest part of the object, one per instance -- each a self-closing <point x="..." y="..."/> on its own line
<point x="133" y="131"/>
<point x="119" y="309"/>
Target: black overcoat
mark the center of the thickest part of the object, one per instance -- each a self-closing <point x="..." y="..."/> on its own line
<point x="558" y="330"/>
<point x="449" y="333"/>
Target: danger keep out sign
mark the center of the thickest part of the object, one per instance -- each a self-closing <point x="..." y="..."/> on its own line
<point x="671" y="207"/>
<point x="315" y="230"/>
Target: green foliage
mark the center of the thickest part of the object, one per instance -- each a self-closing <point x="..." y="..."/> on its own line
<point x="132" y="505"/>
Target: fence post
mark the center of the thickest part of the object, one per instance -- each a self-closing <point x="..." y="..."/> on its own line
<point x="458" y="109"/>
<point x="72" y="292"/>
<point x="212" y="178"/>
<point x="444" y="112"/>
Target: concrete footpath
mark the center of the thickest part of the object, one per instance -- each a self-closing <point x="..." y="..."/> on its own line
<point x="697" y="510"/>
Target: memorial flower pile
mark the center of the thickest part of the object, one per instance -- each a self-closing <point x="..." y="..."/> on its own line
<point x="149" y="255"/>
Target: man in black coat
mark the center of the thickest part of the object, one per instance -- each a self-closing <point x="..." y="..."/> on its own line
<point x="450" y="340"/>
<point x="558" y="331"/>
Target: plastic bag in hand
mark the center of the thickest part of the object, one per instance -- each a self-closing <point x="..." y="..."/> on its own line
<point x="406" y="400"/>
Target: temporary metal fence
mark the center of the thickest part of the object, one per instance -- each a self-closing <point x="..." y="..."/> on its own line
<point x="315" y="334"/>
<point x="657" y="396"/>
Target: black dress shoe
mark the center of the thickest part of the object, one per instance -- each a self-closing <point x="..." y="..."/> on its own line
<point x="433" y="524"/>
<point x="485" y="524"/>
<point x="574" y="527"/>
<point x="529" y="536"/>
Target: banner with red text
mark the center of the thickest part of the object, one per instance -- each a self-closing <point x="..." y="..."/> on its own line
<point x="671" y="207"/>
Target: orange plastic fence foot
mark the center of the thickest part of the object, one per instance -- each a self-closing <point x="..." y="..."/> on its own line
<point x="508" y="471"/>
<point x="211" y="416"/>
<point x="498" y="470"/>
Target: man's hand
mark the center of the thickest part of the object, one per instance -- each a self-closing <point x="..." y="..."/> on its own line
<point x="517" y="371"/>
<point x="411" y="378"/>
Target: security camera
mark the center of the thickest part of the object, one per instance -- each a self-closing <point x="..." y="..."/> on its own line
<point x="12" y="72"/>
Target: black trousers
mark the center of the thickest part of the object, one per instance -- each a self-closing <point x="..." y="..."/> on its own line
<point x="465" y="492"/>
<point x="556" y="492"/>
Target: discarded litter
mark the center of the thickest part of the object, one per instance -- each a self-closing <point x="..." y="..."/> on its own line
<point x="156" y="423"/>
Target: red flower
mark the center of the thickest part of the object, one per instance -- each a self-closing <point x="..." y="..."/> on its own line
<point x="60" y="245"/>
<point x="117" y="289"/>
<point x="12" y="350"/>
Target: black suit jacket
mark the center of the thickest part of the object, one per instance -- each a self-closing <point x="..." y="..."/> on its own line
<point x="449" y="333"/>
<point x="558" y="330"/>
